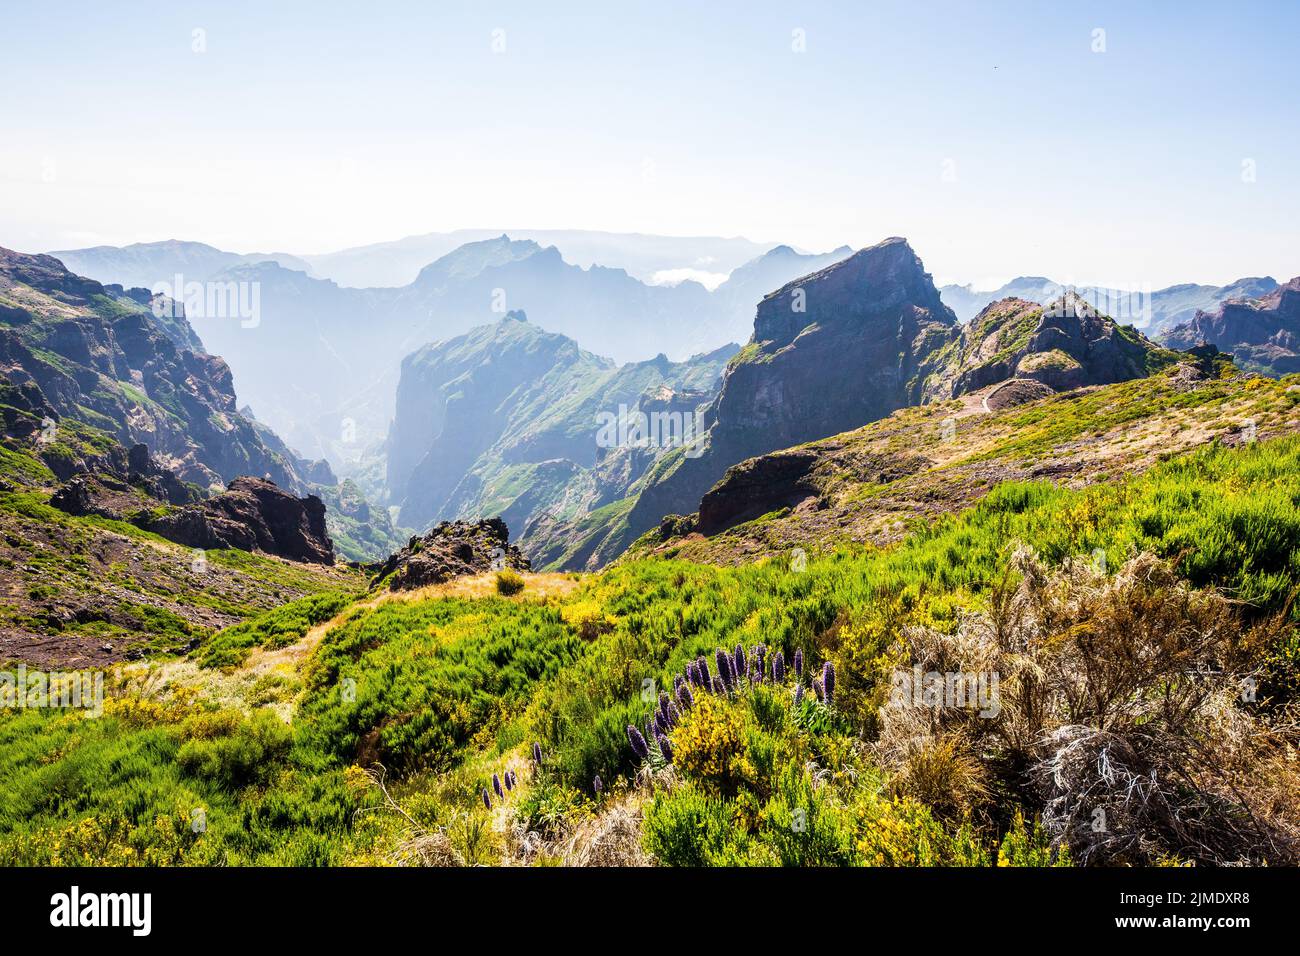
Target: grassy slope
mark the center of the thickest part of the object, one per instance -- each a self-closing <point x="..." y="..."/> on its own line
<point x="88" y="582"/>
<point x="444" y="691"/>
<point x="876" y="482"/>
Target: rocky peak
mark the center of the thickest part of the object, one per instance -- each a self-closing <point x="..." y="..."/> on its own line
<point x="872" y="324"/>
<point x="1064" y="344"/>
<point x="448" y="550"/>
<point x="857" y="291"/>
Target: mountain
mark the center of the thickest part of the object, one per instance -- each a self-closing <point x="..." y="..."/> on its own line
<point x="868" y="485"/>
<point x="312" y="365"/>
<point x="645" y="257"/>
<point x="1180" y="303"/>
<point x="1063" y="345"/>
<point x="504" y="420"/>
<point x="147" y="264"/>
<point x="335" y="399"/>
<point x="967" y="302"/>
<point x="1153" y="312"/>
<point x="875" y="326"/>
<point x="1263" y="332"/>
<point x="100" y="358"/>
<point x="869" y="323"/>
<point x="112" y="369"/>
<point x="749" y="283"/>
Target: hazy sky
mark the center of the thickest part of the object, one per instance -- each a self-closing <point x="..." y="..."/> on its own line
<point x="992" y="135"/>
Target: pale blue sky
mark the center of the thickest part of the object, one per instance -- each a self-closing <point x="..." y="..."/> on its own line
<point x="309" y="127"/>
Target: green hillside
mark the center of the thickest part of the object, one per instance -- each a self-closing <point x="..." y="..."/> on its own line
<point x="1147" y="620"/>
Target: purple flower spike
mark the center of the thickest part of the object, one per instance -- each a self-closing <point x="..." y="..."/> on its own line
<point x="739" y="663"/>
<point x="597" y="785"/>
<point x="719" y="687"/>
<point x="798" y="694"/>
<point x="496" y="787"/>
<point x="487" y="799"/>
<point x="537" y="753"/>
<point x="510" y="780"/>
<point x="674" y="714"/>
<point x="637" y="741"/>
<point x="724" y="667"/>
<point x="778" y="666"/>
<point x="828" y="681"/>
<point x="665" y="747"/>
<point x="798" y="662"/>
<point x="685" y="697"/>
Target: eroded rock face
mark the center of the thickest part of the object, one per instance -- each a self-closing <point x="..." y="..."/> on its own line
<point x="756" y="487"/>
<point x="252" y="514"/>
<point x="449" y="550"/>
<point x="835" y="350"/>
<point x="1262" y="334"/>
<point x="1063" y="345"/>
<point x="831" y="351"/>
<point x="88" y="347"/>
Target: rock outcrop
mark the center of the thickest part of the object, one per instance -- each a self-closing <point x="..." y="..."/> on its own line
<point x="449" y="550"/>
<point x="1063" y="345"/>
<point x="1263" y="334"/>
<point x="252" y="514"/>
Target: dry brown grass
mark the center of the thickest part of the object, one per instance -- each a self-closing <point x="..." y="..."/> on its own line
<point x="1121" y="720"/>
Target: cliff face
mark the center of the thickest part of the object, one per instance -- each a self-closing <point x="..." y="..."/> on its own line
<point x="870" y="324"/>
<point x="459" y="400"/>
<point x="99" y="356"/>
<point x="832" y="351"/>
<point x="510" y="420"/>
<point x="1263" y="334"/>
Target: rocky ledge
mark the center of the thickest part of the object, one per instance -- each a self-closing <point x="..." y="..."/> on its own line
<point x="449" y="550"/>
<point x="252" y="514"/>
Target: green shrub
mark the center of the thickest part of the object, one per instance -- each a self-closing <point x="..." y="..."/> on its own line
<point x="509" y="582"/>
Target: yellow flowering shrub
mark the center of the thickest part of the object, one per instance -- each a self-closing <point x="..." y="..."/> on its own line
<point x="708" y="744"/>
<point x="587" y="618"/>
<point x="903" y="832"/>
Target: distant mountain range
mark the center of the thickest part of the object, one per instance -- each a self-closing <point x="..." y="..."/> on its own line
<point x="475" y="388"/>
<point x="320" y="363"/>
<point x="1263" y="333"/>
<point x="1153" y="312"/>
<point x="145" y="264"/>
<point x="645" y="257"/>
